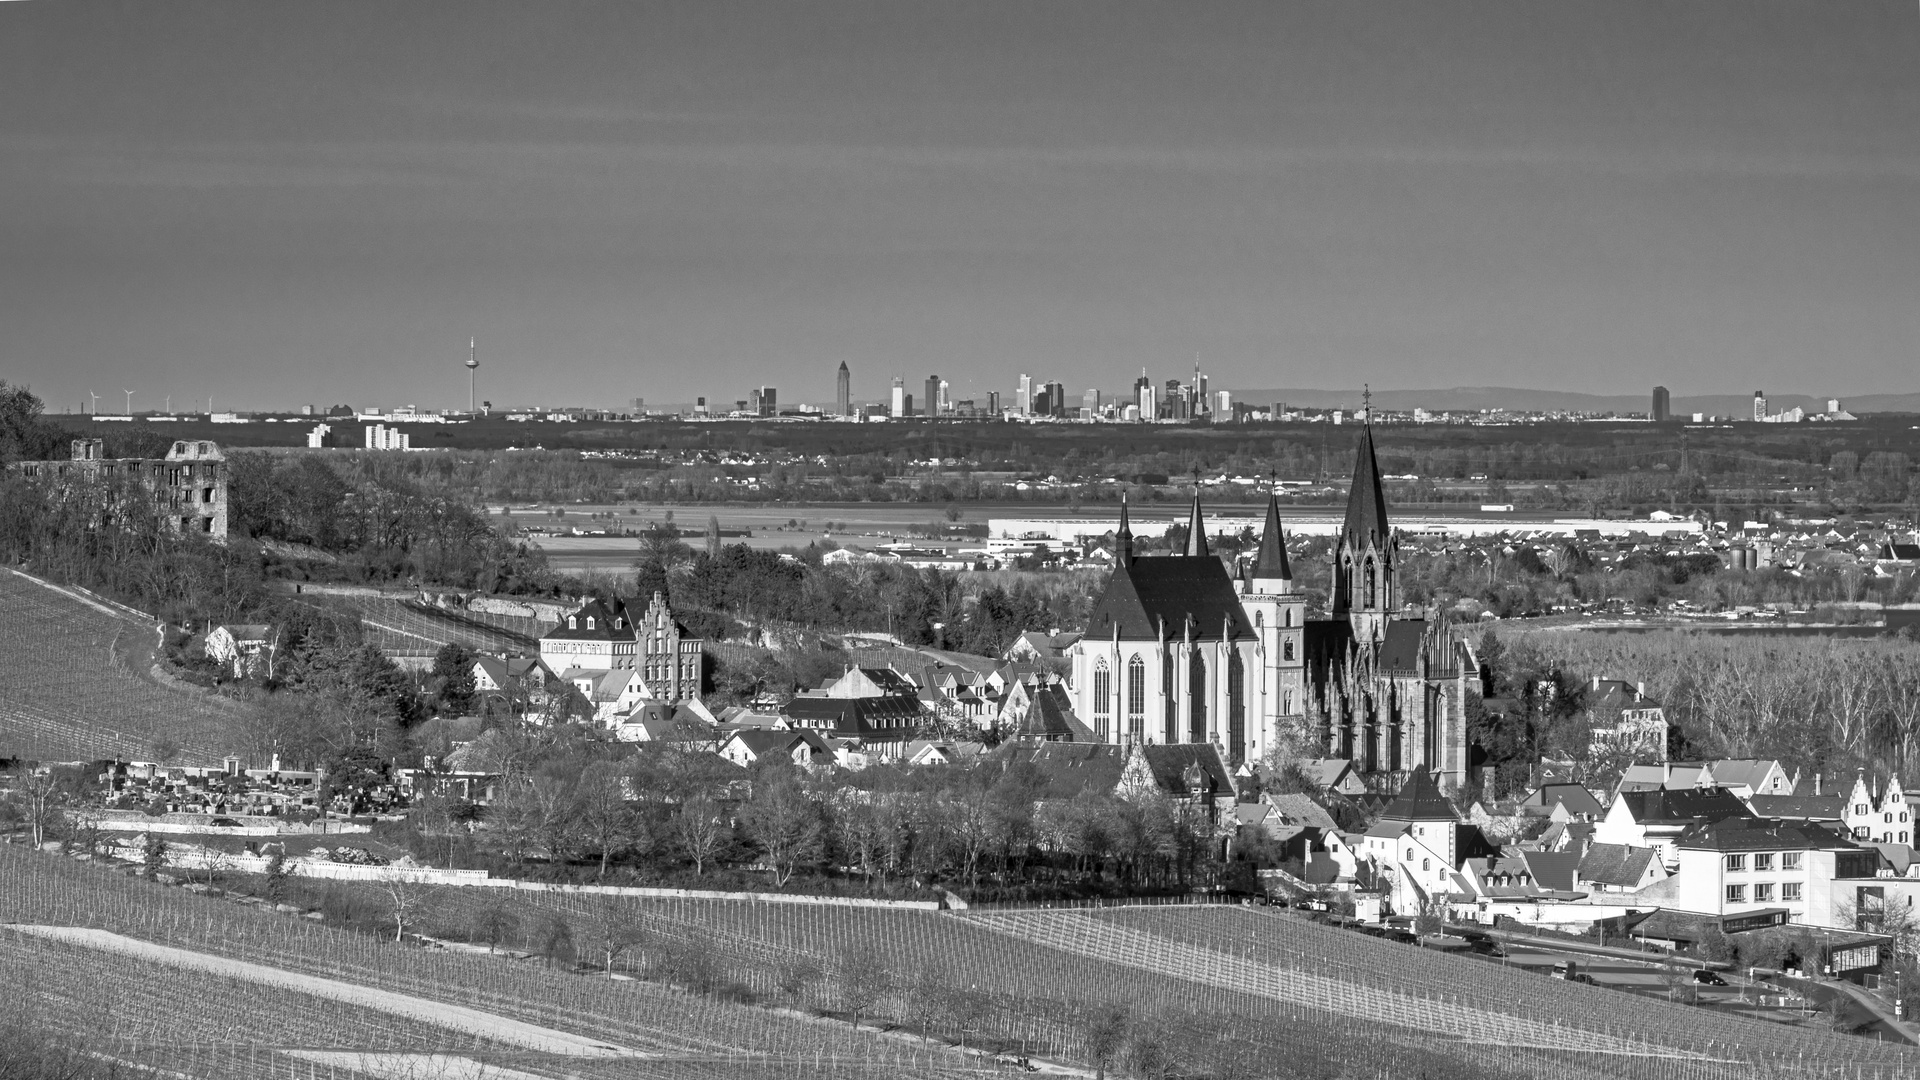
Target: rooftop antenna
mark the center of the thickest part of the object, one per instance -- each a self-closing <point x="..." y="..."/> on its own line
<point x="472" y="365"/>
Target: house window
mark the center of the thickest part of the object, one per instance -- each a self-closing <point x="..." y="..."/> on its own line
<point x="1426" y="864"/>
<point x="1736" y="864"/>
<point x="1736" y="894"/>
<point x="1888" y="818"/>
<point x="1763" y="893"/>
<point x="1860" y="809"/>
<point x="1790" y="891"/>
<point x="1763" y="862"/>
<point x="1409" y="854"/>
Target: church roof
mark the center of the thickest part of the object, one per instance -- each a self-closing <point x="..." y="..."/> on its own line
<point x="1419" y="800"/>
<point x="1271" y="562"/>
<point x="1366" y="502"/>
<point x="1400" y="652"/>
<point x="1145" y="593"/>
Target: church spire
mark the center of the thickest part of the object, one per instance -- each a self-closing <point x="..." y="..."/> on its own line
<point x="1196" y="529"/>
<point x="1366" y="501"/>
<point x="1123" y="537"/>
<point x="1271" y="562"/>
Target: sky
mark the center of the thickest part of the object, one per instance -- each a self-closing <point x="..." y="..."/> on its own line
<point x="278" y="204"/>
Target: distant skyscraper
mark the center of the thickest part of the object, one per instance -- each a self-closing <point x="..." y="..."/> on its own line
<point x="932" y="400"/>
<point x="765" y="401"/>
<point x="1024" y="399"/>
<point x="1222" y="405"/>
<point x="899" y="399"/>
<point x="843" y="390"/>
<point x="1056" y="399"/>
<point x="993" y="403"/>
<point x="945" y="400"/>
<point x="1759" y="405"/>
<point x="1662" y="406"/>
<point x="1093" y="402"/>
<point x="906" y="405"/>
<point x="1143" y="395"/>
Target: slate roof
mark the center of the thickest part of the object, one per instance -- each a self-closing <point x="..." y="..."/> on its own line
<point x="1271" y="562"/>
<point x="1302" y="810"/>
<point x="1577" y="799"/>
<point x="884" y="719"/>
<point x="1067" y="768"/>
<point x="603" y="615"/>
<point x="1676" y="807"/>
<point x="1366" y="501"/>
<point x="1419" y="800"/>
<point x="1752" y="772"/>
<point x="1553" y="869"/>
<point x="1144" y="594"/>
<point x="1400" y="652"/>
<point x="1622" y="866"/>
<point x="1169" y="764"/>
<point x="1753" y="834"/>
<point x="762" y="743"/>
<point x="1800" y="807"/>
<point x="1051" y="717"/>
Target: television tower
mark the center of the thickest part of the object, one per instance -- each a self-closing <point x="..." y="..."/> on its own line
<point x="472" y="366"/>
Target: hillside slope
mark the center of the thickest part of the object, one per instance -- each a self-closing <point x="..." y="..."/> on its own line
<point x="76" y="683"/>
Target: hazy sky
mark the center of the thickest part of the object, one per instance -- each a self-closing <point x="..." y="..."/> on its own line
<point x="319" y="202"/>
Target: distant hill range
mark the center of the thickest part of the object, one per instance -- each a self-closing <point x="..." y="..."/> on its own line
<point x="1515" y="399"/>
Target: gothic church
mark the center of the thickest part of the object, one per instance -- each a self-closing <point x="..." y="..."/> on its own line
<point x="1179" y="651"/>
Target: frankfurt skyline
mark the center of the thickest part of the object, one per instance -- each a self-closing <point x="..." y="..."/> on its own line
<point x="279" y="205"/>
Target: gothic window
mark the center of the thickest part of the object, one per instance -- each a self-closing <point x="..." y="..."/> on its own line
<point x="1258" y="620"/>
<point x="1286" y="649"/>
<point x="1136" y="692"/>
<point x="1102" y="688"/>
<point x="1286" y="617"/>
<point x="1371" y="599"/>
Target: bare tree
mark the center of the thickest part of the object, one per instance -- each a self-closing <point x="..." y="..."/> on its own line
<point x="796" y="976"/>
<point x="497" y="923"/>
<point x="618" y="929"/>
<point x="1103" y="1035"/>
<point x="407" y="900"/>
<point x="42" y="795"/>
<point x="702" y="829"/>
<point x="861" y="979"/>
<point x="602" y="816"/>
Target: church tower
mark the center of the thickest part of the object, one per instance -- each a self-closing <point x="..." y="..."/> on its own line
<point x="1278" y="610"/>
<point x="1366" y="557"/>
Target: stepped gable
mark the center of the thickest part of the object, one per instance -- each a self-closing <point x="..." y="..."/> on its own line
<point x="1366" y="501"/>
<point x="1419" y="800"/>
<point x="1271" y="562"/>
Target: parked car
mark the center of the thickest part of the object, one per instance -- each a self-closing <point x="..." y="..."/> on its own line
<point x="1708" y="978"/>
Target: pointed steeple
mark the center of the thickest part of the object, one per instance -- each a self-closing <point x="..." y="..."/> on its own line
<point x="1123" y="538"/>
<point x="1271" y="562"/>
<point x="1196" y="530"/>
<point x="1366" y="502"/>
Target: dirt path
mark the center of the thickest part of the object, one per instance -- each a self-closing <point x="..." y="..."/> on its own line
<point x="397" y="1065"/>
<point x="454" y="1017"/>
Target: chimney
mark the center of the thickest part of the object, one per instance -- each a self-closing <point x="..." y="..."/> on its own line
<point x="1640" y="688"/>
<point x="1596" y="684"/>
<point x="1816" y="783"/>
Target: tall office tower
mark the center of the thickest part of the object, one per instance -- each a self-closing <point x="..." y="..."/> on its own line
<point x="899" y="399"/>
<point x="1759" y="405"/>
<point x="767" y="401"/>
<point x="1093" y="402"/>
<point x="1662" y="406"/>
<point x="1199" y="390"/>
<point x="1148" y="406"/>
<point x="946" y="396"/>
<point x="1041" y="406"/>
<point x="993" y="404"/>
<point x="906" y="405"/>
<point x="843" y="390"/>
<point x="1142" y="394"/>
<point x="1279" y="411"/>
<point x="1176" y="400"/>
<point x="1222" y="406"/>
<point x="1056" y="399"/>
<point x="700" y="406"/>
<point x="932" y="400"/>
<point x="1023" y="399"/>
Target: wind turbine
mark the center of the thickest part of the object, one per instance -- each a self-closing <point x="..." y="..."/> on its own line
<point x="129" y="394"/>
<point x="96" y="402"/>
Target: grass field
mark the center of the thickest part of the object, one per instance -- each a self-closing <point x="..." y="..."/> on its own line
<point x="75" y="684"/>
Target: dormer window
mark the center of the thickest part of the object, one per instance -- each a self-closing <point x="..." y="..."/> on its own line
<point x="589" y="622"/>
<point x="573" y="622"/>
